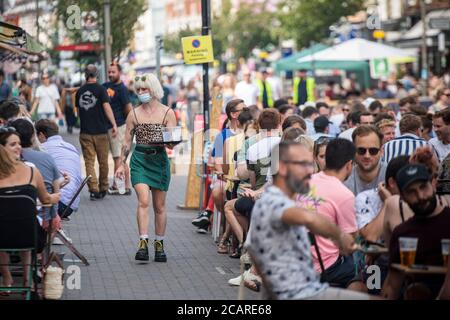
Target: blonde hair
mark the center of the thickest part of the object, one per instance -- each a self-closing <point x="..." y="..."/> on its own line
<point x="150" y="82"/>
<point x="7" y="166"/>
<point x="305" y="141"/>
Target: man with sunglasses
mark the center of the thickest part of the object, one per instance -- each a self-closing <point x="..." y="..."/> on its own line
<point x="278" y="237"/>
<point x="369" y="170"/>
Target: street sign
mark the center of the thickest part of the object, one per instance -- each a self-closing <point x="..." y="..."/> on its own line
<point x="379" y="68"/>
<point x="197" y="49"/>
<point x="440" y="23"/>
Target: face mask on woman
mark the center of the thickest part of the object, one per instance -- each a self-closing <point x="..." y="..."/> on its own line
<point x="145" y="97"/>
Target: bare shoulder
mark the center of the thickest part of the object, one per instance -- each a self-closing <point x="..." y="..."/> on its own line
<point x="392" y="202"/>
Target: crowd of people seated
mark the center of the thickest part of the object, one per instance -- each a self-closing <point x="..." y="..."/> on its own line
<point x="378" y="173"/>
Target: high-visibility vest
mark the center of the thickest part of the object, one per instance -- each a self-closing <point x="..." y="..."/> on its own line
<point x="310" y="84"/>
<point x="259" y="83"/>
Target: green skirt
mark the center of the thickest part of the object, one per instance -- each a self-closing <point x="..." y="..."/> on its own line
<point x="150" y="165"/>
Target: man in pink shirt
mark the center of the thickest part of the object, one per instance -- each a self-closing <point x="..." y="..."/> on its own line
<point x="333" y="200"/>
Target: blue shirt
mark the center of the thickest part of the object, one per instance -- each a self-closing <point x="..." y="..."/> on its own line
<point x="310" y="127"/>
<point x="5" y="91"/>
<point x="67" y="159"/>
<point x="220" y="141"/>
<point x="316" y="136"/>
<point x="119" y="98"/>
<point x="404" y="145"/>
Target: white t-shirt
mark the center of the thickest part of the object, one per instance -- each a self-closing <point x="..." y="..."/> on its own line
<point x="442" y="149"/>
<point x="247" y="92"/>
<point x="47" y="97"/>
<point x="275" y="83"/>
<point x="347" y="134"/>
<point x="367" y="205"/>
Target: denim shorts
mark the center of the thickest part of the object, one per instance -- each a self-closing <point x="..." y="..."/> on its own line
<point x="341" y="273"/>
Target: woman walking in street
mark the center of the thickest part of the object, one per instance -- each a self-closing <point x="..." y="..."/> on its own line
<point x="149" y="164"/>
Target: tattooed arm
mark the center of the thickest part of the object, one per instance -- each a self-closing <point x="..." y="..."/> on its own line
<point x="126" y="146"/>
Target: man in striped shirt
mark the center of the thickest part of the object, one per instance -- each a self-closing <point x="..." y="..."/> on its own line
<point x="408" y="141"/>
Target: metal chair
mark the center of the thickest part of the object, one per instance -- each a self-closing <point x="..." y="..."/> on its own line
<point x="18" y="233"/>
<point x="61" y="236"/>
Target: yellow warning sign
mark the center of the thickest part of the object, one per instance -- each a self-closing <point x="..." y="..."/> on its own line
<point x="197" y="49"/>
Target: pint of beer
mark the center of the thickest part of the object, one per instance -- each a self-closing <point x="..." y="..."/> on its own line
<point x="408" y="247"/>
<point x="445" y="244"/>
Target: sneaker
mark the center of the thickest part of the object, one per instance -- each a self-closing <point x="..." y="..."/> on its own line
<point x="62" y="232"/>
<point x="237" y="281"/>
<point x="142" y="253"/>
<point x="202" y="220"/>
<point x="202" y="230"/>
<point x="160" y="255"/>
<point x="93" y="196"/>
<point x="101" y="195"/>
<point x="113" y="191"/>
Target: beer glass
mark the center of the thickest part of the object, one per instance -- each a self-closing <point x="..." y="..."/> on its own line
<point x="445" y="244"/>
<point x="408" y="247"/>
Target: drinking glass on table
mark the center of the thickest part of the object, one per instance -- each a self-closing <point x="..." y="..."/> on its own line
<point x="445" y="245"/>
<point x="408" y="248"/>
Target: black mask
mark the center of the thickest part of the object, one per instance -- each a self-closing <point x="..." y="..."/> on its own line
<point x="424" y="208"/>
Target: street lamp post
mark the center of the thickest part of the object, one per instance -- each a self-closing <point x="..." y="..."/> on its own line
<point x="424" y="73"/>
<point x="107" y="9"/>
<point x="158" y="43"/>
<point x="205" y="32"/>
<point x="38" y="31"/>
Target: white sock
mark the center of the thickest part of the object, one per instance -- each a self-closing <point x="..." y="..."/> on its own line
<point x="159" y="238"/>
<point x="143" y="237"/>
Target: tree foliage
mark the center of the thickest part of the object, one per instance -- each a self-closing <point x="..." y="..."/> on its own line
<point x="124" y="15"/>
<point x="307" y="20"/>
<point x="252" y="26"/>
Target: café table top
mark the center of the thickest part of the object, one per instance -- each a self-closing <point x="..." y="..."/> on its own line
<point x="374" y="250"/>
<point x="429" y="269"/>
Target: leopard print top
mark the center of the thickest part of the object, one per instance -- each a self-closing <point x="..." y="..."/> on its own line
<point x="148" y="133"/>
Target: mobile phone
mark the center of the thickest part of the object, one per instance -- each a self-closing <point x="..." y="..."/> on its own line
<point x="419" y="267"/>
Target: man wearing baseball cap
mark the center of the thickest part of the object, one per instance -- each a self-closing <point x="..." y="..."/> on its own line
<point x="322" y="127"/>
<point x="429" y="225"/>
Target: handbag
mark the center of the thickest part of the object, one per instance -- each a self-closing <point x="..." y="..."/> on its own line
<point x="53" y="283"/>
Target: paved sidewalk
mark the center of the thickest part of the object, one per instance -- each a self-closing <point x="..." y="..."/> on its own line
<point x="106" y="233"/>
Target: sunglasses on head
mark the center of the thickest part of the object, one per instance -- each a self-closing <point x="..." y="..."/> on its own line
<point x="143" y="78"/>
<point x="346" y="110"/>
<point x="372" y="151"/>
<point x="7" y="129"/>
<point x="322" y="141"/>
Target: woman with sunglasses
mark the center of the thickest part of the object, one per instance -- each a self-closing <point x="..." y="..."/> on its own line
<point x="17" y="178"/>
<point x="149" y="164"/>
